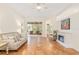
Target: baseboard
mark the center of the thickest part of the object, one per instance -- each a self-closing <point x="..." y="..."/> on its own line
<point x="66" y="46"/>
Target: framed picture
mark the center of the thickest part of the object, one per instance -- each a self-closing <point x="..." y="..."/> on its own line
<point x="65" y="24"/>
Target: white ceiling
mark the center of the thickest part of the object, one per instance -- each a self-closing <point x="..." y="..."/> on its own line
<point x="29" y="9"/>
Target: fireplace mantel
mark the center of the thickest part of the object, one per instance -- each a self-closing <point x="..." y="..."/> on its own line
<point x="65" y="32"/>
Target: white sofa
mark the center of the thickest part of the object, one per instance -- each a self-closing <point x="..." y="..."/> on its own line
<point x="14" y="40"/>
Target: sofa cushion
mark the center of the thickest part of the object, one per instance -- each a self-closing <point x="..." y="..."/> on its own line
<point x="15" y="39"/>
<point x="4" y="37"/>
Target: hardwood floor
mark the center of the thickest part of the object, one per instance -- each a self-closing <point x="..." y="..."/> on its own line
<point x="42" y="46"/>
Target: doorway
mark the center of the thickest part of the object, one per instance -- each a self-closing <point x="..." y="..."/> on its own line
<point x="34" y="28"/>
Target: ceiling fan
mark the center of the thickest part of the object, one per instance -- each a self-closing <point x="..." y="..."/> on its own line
<point x="40" y="6"/>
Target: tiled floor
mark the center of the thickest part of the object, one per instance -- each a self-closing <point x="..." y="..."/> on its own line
<point x="42" y="46"/>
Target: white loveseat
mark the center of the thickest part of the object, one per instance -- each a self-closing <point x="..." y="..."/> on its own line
<point x="14" y="40"/>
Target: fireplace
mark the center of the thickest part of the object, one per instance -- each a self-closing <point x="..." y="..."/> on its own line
<point x="61" y="38"/>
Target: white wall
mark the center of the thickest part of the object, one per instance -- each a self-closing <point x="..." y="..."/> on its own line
<point x="8" y="20"/>
<point x="75" y="29"/>
<point x="72" y="35"/>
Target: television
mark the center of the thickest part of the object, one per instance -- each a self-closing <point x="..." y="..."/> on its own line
<point x="65" y="24"/>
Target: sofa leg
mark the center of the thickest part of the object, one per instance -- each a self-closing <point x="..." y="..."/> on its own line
<point x="7" y="50"/>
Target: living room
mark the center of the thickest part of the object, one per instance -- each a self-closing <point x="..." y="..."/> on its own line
<point x="18" y="21"/>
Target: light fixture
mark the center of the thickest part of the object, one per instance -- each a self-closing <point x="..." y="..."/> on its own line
<point x="40" y="6"/>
